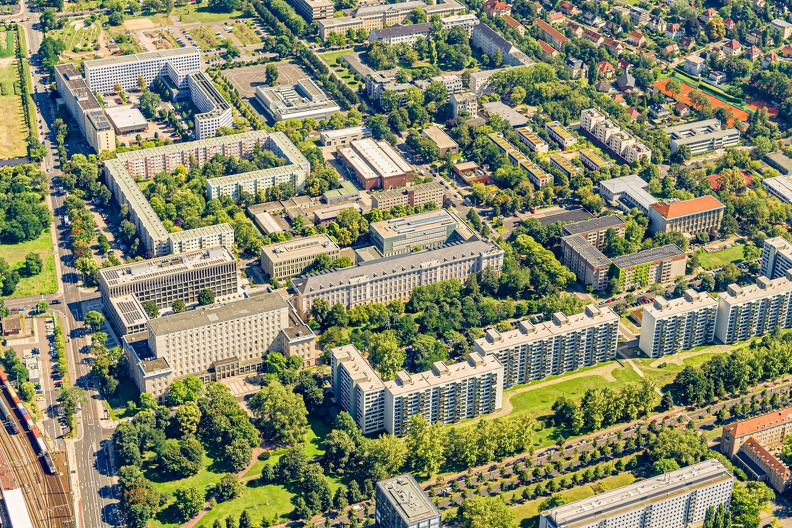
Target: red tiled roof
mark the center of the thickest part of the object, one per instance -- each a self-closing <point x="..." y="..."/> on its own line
<point x="547" y="48"/>
<point x="550" y="30"/>
<point x="636" y="35"/>
<point x="713" y="180"/>
<point x="759" y="423"/>
<point x="555" y="15"/>
<point x="632" y="112"/>
<point x="728" y="22"/>
<point x="769" y="459"/>
<point x="510" y="21"/>
<point x="733" y="44"/>
<point x="687" y="207"/>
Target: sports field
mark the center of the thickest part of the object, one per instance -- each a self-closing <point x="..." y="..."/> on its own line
<point x="684" y="97"/>
<point x="14" y="130"/>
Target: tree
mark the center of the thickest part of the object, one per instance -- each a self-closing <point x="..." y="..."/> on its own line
<point x="187" y="418"/>
<point x="141" y="83"/>
<point x="518" y="95"/>
<point x="244" y="520"/>
<point x="33" y="264"/>
<point x="149" y="103"/>
<point x="425" y="445"/>
<point x="42" y="306"/>
<point x="189" y="502"/>
<point x="682" y="154"/>
<point x="150" y="307"/>
<point x="228" y="488"/>
<point x="178" y="306"/>
<point x="188" y="389"/>
<point x="385" y="355"/>
<point x="715" y="29"/>
<point x="94" y="320"/>
<point x="340" y="499"/>
<point x="280" y="413"/>
<point x="486" y="512"/>
<point x="27" y="391"/>
<point x="206" y="297"/>
<point x="339" y="449"/>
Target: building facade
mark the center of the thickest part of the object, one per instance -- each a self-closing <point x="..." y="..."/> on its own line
<point x="407" y="34"/>
<point x="84" y="108"/>
<point x="762" y="465"/>
<point x="301" y="100"/>
<point x="749" y="311"/>
<point x="559" y="134"/>
<point x="565" y="343"/>
<point x="697" y="215"/>
<point x="254" y="182"/>
<point x="702" y="136"/>
<point x="423" y="230"/>
<point x="669" y="326"/>
<point x="532" y="141"/>
<point x="414" y="196"/>
<point x="776" y="258"/>
<point x="312" y="10"/>
<point x="595" y="229"/>
<point x="375" y="164"/>
<point x="770" y="430"/>
<point x="213" y="110"/>
<point x="103" y="74"/>
<point x="291" y="258"/>
<point x="201" y="238"/>
<point x="611" y="137"/>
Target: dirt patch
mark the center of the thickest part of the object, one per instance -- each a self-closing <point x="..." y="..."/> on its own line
<point x="684" y="97"/>
<point x="159" y="41"/>
<point x="6" y="61"/>
<point x="139" y="23"/>
<point x="772" y="110"/>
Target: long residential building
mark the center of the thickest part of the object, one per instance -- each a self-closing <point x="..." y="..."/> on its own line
<point x="628" y="191"/>
<point x="610" y="136"/>
<point x="697" y="215"/>
<point x="595" y="229"/>
<point x="217" y="342"/>
<point x="254" y="182"/>
<point x="373" y="17"/>
<point x="103" y="74"/>
<point x="490" y="42"/>
<point x="448" y="393"/>
<point x="206" y="237"/>
<point x="749" y="311"/>
<point x="402" y="503"/>
<point x="84" y="108"/>
<point x="294" y="257"/>
<point x="535" y="174"/>
<point x="702" y="136"/>
<point x="763" y="465"/>
<point x="407" y="34"/>
<point x="213" y="110"/>
<point x="559" y="134"/>
<point x="776" y="258"/>
<point x="565" y="343"/>
<point x="670" y="326"/>
<point x="531" y="140"/>
<point x="120" y="174"/>
<point x="394" y="278"/>
<point x="414" y="196"/>
<point x="769" y="429"/>
<point x="677" y="499"/>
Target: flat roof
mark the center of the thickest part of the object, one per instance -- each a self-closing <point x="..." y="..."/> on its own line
<point x="764" y="287"/>
<point x="781" y="186"/>
<point x="421" y="188"/>
<point x="565" y="215"/>
<point x="217" y="313"/>
<point x="508" y="113"/>
<point x="395" y="31"/>
<point x="15" y="506"/>
<point x="780" y="161"/>
<point x="272" y="172"/>
<point x="593" y="256"/>
<point x="190" y="234"/>
<point x="417" y="222"/>
<point x="375" y="158"/>
<point x="441" y="139"/>
<point x="442" y="372"/>
<point x="126" y="117"/>
<point x="594" y="158"/>
<point x="217" y="141"/>
<point x="135" y="197"/>
<point x="129" y="310"/>
<point x="204" y="83"/>
<point x="299" y="247"/>
<point x="164" y="266"/>
<point x="690" y="300"/>
<point x="377" y="9"/>
<point x="639" y="494"/>
<point x="343" y="132"/>
<point x="140" y="57"/>
<point x="648" y="255"/>
<point x="357" y="367"/>
<point x="594" y="224"/>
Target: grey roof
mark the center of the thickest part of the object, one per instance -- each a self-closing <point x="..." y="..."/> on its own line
<point x="780" y="161"/>
<point x="647" y="255"/>
<point x="594" y="224"/>
<point x="392" y="265"/>
<point x="401" y="6"/>
<point x="209" y="315"/>
<point x="408" y="499"/>
<point x="152" y="55"/>
<point x="396" y="31"/>
<point x="593" y="256"/>
<point x="626" y="81"/>
<point x="493" y="36"/>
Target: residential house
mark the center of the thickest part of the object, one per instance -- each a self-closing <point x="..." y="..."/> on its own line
<point x="605" y="70"/>
<point x="759" y="5"/>
<point x="614" y="47"/>
<point x="753" y="37"/>
<point x="729" y="25"/>
<point x="514" y="24"/>
<point x="548" y="51"/>
<point x="670" y="51"/>
<point x="732" y="48"/>
<point x="681" y="109"/>
<point x="496" y="8"/>
<point x="593" y="36"/>
<point x="568" y="9"/>
<point x="555" y="17"/>
<point x="593" y="20"/>
<point x="717" y="77"/>
<point x="657" y="24"/>
<point x="636" y="38"/>
<point x="550" y="34"/>
<point x="658" y="111"/>
<point x="605" y="87"/>
<point x="624" y="65"/>
<point x="783" y="27"/>
<point x="708" y="15"/>
<point x="633" y="113"/>
<point x="626" y="82"/>
<point x="575" y="29"/>
<point x="769" y="59"/>
<point x="687" y="43"/>
<point x="674" y="31"/>
<point x="786" y="51"/>
<point x="575" y="67"/>
<point x="753" y="53"/>
<point x="695" y="65"/>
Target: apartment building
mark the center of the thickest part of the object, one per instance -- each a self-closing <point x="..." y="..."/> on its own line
<point x="491" y="42"/>
<point x="84" y="108"/>
<point x="592" y="160"/>
<point x="762" y="465"/>
<point x="120" y="173"/>
<point x="479" y="81"/>
<point x="213" y="110"/>
<point x="254" y="182"/>
<point x="103" y="74"/>
<point x="780" y="187"/>
<point x="445" y="394"/>
<point x="289" y="259"/>
<point x="612" y="138"/>
<point x="550" y="34"/>
<point x="427" y="230"/>
<point x="441" y="139"/>
<point x="374" y="17"/>
<point x="414" y="196"/>
<point x="559" y="134"/>
<point x="676" y="499"/>
<point x="595" y="229"/>
<point x="589" y="264"/>
<point x="166" y="279"/>
<point x="702" y="136"/>
<point x="201" y="238"/>
<point x="697" y="215"/>
<point x="628" y="191"/>
<point x="532" y="141"/>
<point x="218" y="342"/>
<point x="669" y="326"/>
<point x="535" y="174"/>
<point x="300" y="100"/>
<point x="748" y="311"/>
<point x="468" y="21"/>
<point x="376" y="164"/>
<point x="770" y="430"/>
<point x="565" y="343"/>
<point x="776" y="258"/>
<point x="639" y="16"/>
<point x="407" y="34"/>
<point x="401" y="503"/>
<point x="313" y="10"/>
<point x="393" y="278"/>
<point x="564" y="165"/>
<point x="464" y="102"/>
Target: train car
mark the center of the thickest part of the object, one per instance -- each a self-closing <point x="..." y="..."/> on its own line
<point x="26" y="419"/>
<point x="39" y="443"/>
<point x="3" y="378"/>
<point x="8" y="418"/>
<point x="17" y="509"/>
<point x="49" y="463"/>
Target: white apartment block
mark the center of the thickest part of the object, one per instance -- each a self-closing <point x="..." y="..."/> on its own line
<point x="214" y="110"/>
<point x="480" y="81"/>
<point x="532" y="141"/>
<point x="609" y="135"/>
<point x="254" y="182"/>
<point x="702" y="136"/>
<point x="407" y="34"/>
<point x="669" y="326"/>
<point x="468" y="21"/>
<point x="776" y="258"/>
<point x="565" y="343"/>
<point x="294" y="257"/>
<point x="452" y="82"/>
<point x="394" y="278"/>
<point x="677" y="499"/>
<point x="313" y="10"/>
<point x="464" y="102"/>
<point x="201" y="238"/>
<point x="749" y="311"/>
<point x="423" y="230"/>
<point x="559" y="134"/>
<point x="102" y="74"/>
<point x="84" y="108"/>
<point x="446" y="394"/>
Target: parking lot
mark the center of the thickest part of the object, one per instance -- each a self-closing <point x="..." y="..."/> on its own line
<point x="245" y="80"/>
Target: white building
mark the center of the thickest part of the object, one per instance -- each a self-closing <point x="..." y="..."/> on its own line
<point x="677" y="499"/>
<point x="532" y="141"/>
<point x="702" y="136"/>
<point x="215" y="112"/>
<point x="445" y="394"/>
<point x="102" y="74"/>
<point x="84" y="108"/>
<point x="756" y="310"/>
<point x="559" y="134"/>
<point x="629" y="191"/>
<point x="296" y="101"/>
<point x="480" y="80"/>
<point x="407" y="34"/>
<point x="695" y="65"/>
<point x="563" y="344"/>
<point x="464" y="102"/>
<point x="468" y="21"/>
<point x="201" y="238"/>
<point x="776" y="258"/>
<point x="595" y="125"/>
<point x="291" y="258"/>
<point x="669" y="326"/>
<point x="254" y="182"/>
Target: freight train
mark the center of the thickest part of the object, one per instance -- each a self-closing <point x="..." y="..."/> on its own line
<point x="39" y="446"/>
<point x="8" y="419"/>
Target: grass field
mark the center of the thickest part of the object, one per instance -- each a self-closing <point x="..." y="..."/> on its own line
<point x="675" y="363"/>
<point x="193" y="13"/>
<point x="341" y="71"/>
<point x="125" y="46"/>
<point x="204" y="37"/>
<point x="79" y="35"/>
<point x="7" y="43"/>
<point x="45" y="282"/>
<point x="723" y="257"/>
<point x="14" y="130"/>
<point x="246" y="35"/>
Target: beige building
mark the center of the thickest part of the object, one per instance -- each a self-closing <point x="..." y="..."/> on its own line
<point x="565" y="343"/>
<point x="464" y="102"/>
<point x="749" y="311"/>
<point x="769" y="429"/>
<point x="670" y="326"/>
<point x="371" y="17"/>
<point x="441" y="139"/>
<point x="201" y="238"/>
<point x="762" y="465"/>
<point x="313" y="10"/>
<point x="84" y="108"/>
<point x="423" y="230"/>
<point x="698" y="215"/>
<point x="413" y="195"/>
<point x="294" y="257"/>
<point x="594" y="229"/>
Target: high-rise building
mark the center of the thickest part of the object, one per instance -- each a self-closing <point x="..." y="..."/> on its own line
<point x="291" y="258"/>
<point x="445" y="394"/>
<point x="677" y="499"/>
<point x="213" y="110"/>
<point x="749" y="311"/>
<point x="776" y="258"/>
<point x="401" y="503"/>
<point x="565" y="343"/>
<point x="103" y="74"/>
<point x="669" y="326"/>
<point x="84" y="108"/>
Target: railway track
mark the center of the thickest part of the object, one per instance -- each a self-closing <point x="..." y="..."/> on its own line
<point x="49" y="504"/>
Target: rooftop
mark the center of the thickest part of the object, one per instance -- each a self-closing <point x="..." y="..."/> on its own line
<point x="687" y="207"/>
<point x="781" y="186"/>
<point x="494" y="37"/>
<point x="331" y="134"/>
<point x="640" y="494"/>
<point x="595" y="158"/>
<point x="764" y="287"/>
<point x="442" y="373"/>
<point x="441" y="139"/>
<point x="691" y="300"/>
<point x="569" y="215"/>
<point x="375" y="158"/>
<point x="417" y="222"/>
<point x="769" y="459"/>
<point x="753" y="425"/>
<point x="272" y="172"/>
<point x="648" y="255"/>
<point x="593" y="256"/>
<point x="594" y="224"/>
<point x="299" y="247"/>
<point x="508" y="113"/>
<point x="216" y="229"/>
<point x="129" y="310"/>
<point x="421" y="188"/>
<point x="217" y="313"/>
<point x="550" y="30"/>
<point x="396" y="31"/>
<point x="219" y="104"/>
<point x="164" y="266"/>
<point x="153" y="55"/>
<point x="358" y="368"/>
<point x="406" y="495"/>
<point x="126" y="117"/>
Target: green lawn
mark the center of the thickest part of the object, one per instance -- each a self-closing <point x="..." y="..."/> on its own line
<point x="246" y="35"/>
<point x="665" y="375"/>
<point x="43" y="283"/>
<point x="723" y="257"/>
<point x="127" y="391"/>
<point x="193" y="13"/>
<point x="7" y="43"/>
<point x="79" y="35"/>
<point x="331" y="56"/>
<point x="14" y="129"/>
<point x="204" y="37"/>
